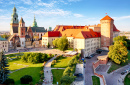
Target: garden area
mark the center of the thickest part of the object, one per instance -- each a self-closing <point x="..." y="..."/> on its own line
<point x="57" y="74"/>
<point x="96" y="80"/>
<point x="31" y="64"/>
<point x="61" y="62"/>
<point x="127" y="79"/>
<point x="115" y="66"/>
<point x="64" y="76"/>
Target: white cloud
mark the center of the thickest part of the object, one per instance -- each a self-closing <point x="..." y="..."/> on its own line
<point x="54" y="12"/>
<point x="46" y="4"/>
<point x="74" y="0"/>
<point x="120" y="18"/>
<point x="39" y="0"/>
<point x="78" y="15"/>
<point x="4" y="17"/>
<point x="29" y="2"/>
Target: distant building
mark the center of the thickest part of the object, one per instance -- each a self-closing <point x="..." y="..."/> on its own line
<point x="22" y="36"/>
<point x="3" y="44"/>
<point x="127" y="34"/>
<point x="87" y="38"/>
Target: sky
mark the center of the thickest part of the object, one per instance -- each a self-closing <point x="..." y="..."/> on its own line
<point x="66" y="12"/>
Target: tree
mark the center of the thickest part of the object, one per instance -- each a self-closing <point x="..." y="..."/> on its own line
<point x="63" y="43"/>
<point x="122" y="39"/>
<point x="5" y="36"/>
<point x="3" y="68"/>
<point x="55" y="42"/>
<point x="118" y="52"/>
<point x="48" y="45"/>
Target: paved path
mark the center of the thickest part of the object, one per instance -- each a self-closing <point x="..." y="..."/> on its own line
<point x="115" y="77"/>
<point x="48" y="74"/>
<point x="89" y="70"/>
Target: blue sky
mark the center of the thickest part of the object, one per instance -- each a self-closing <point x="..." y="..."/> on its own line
<point x="66" y="12"/>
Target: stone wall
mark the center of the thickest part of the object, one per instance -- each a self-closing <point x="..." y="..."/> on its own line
<point x="95" y="65"/>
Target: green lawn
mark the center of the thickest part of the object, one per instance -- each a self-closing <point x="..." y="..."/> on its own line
<point x="62" y="62"/>
<point x="115" y="66"/>
<point x="127" y="79"/>
<point x="57" y="74"/>
<point x="96" y="80"/>
<point x="32" y="69"/>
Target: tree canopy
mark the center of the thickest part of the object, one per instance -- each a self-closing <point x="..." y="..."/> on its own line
<point x="61" y="43"/>
<point x="118" y="51"/>
<point x="5" y="36"/>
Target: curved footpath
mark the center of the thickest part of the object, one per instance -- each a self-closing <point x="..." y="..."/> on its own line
<point x="47" y="73"/>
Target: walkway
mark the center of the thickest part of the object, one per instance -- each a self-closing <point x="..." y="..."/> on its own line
<point x="48" y="74"/>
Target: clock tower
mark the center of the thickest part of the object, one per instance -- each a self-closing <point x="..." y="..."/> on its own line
<point x="14" y="21"/>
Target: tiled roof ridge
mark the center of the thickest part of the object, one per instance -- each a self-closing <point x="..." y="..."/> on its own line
<point x="107" y="18"/>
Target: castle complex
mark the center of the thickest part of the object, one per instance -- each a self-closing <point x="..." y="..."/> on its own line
<point x="87" y="38"/>
<point x="22" y="36"/>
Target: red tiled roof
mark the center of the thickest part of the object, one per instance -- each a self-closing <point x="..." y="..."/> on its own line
<point x="88" y="34"/>
<point x="115" y="29"/>
<point x="107" y="18"/>
<point x="52" y="34"/>
<point x="64" y="27"/>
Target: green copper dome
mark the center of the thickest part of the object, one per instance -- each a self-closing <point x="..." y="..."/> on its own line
<point x="14" y="16"/>
<point x="34" y="23"/>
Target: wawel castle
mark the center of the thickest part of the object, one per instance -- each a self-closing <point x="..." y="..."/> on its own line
<point x="87" y="38"/>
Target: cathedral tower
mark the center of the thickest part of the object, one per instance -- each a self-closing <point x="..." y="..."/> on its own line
<point x="14" y="21"/>
<point x="34" y="23"/>
<point x="106" y="31"/>
<point x="21" y="32"/>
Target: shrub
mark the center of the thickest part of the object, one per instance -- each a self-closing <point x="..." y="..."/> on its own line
<point x="26" y="79"/>
<point x="9" y="82"/>
<point x="58" y="57"/>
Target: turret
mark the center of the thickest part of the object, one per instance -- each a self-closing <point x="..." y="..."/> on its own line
<point x="34" y="23"/>
<point x="106" y="31"/>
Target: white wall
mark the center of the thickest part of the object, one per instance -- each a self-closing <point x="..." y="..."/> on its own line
<point x="22" y="42"/>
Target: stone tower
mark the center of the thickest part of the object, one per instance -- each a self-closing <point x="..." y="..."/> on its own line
<point x="106" y="31"/>
<point x="34" y="23"/>
<point x="14" y="21"/>
<point x="21" y="32"/>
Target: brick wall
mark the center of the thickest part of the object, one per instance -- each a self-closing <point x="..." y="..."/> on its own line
<point x="95" y="65"/>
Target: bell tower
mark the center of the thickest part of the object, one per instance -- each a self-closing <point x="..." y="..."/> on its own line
<point x="14" y="20"/>
<point x="34" y="22"/>
<point x="21" y="32"/>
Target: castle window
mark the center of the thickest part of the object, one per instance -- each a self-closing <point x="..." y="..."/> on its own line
<point x="3" y="45"/>
<point x="41" y="35"/>
<point x="22" y="33"/>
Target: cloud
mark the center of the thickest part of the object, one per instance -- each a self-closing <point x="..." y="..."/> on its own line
<point x="120" y="18"/>
<point x="29" y="2"/>
<point x="53" y="12"/>
<point x="74" y="0"/>
<point x="46" y="4"/>
<point x="4" y="17"/>
<point x="78" y="15"/>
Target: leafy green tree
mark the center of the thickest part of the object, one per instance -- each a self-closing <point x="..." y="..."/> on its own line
<point x="118" y="52"/>
<point x="48" y="45"/>
<point x="5" y="36"/>
<point x="122" y="39"/>
<point x="67" y="79"/>
<point x="3" y="68"/>
<point x="63" y="43"/>
<point x="55" y="42"/>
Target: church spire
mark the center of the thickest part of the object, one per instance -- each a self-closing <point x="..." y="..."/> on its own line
<point x="34" y="22"/>
<point x="14" y="17"/>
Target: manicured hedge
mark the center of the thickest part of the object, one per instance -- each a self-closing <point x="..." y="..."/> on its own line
<point x="26" y="79"/>
<point x="68" y="77"/>
<point x="36" y="57"/>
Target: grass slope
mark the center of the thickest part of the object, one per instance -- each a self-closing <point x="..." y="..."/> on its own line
<point x="115" y="66"/>
<point x="57" y="74"/>
<point x="62" y="62"/>
<point x="32" y="69"/>
<point x="96" y="80"/>
<point x="127" y="79"/>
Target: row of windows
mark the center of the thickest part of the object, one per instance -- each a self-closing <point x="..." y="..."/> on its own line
<point x="5" y="46"/>
<point x="4" y="42"/>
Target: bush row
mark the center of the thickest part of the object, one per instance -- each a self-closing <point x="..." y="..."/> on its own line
<point x="36" y="57"/>
<point x="68" y="76"/>
<point x="55" y="60"/>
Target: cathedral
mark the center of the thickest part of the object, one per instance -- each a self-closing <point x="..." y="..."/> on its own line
<point x="22" y="36"/>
